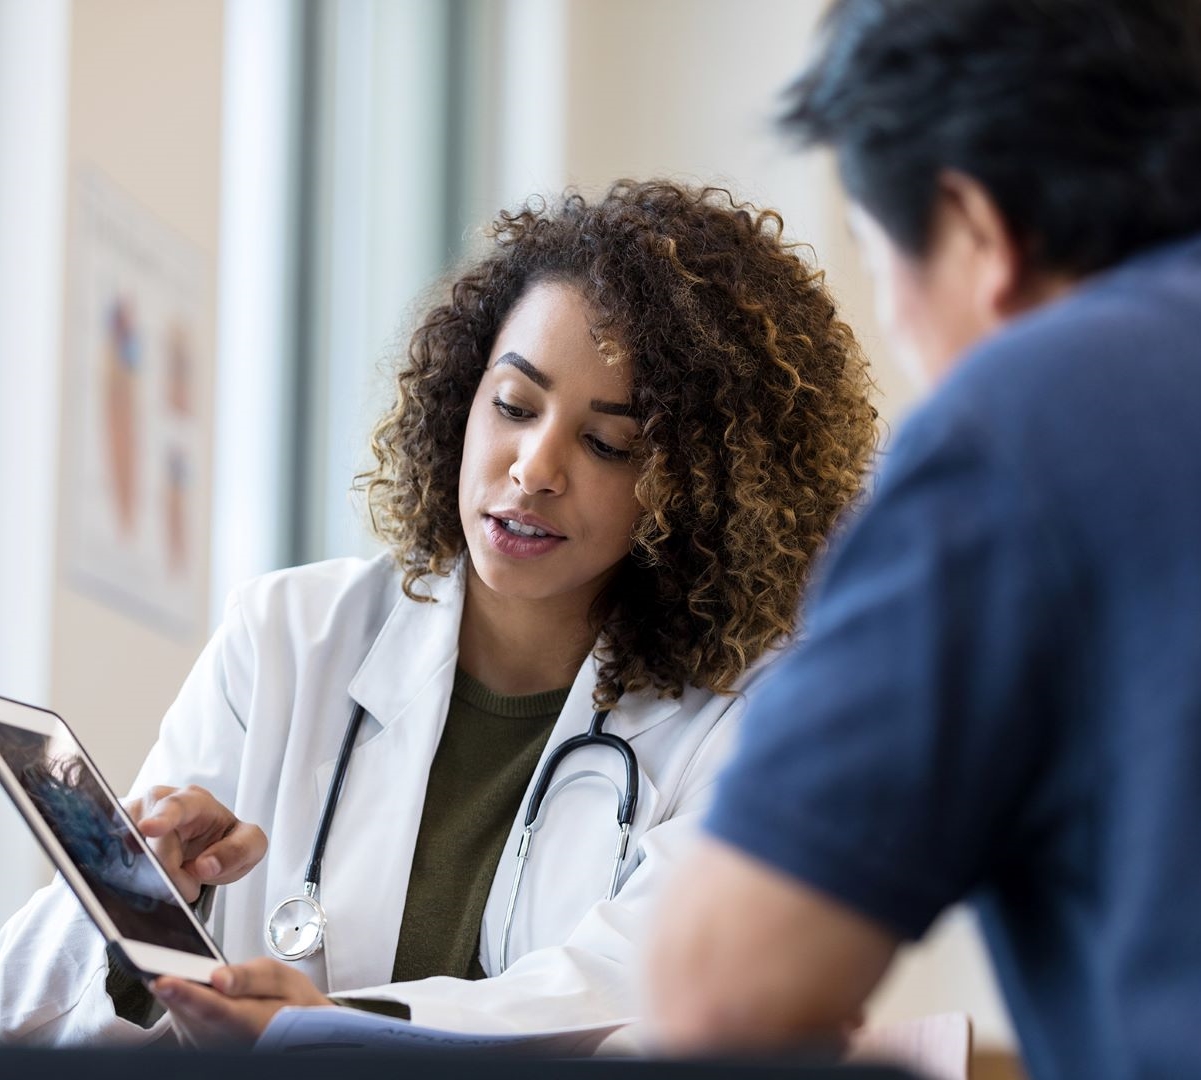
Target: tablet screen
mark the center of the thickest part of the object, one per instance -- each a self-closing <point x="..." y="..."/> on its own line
<point x="77" y="808"/>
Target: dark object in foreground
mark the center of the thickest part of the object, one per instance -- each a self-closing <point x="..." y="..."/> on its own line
<point x="114" y="1064"/>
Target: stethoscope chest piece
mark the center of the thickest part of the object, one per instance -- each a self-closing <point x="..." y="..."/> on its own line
<point x="296" y="927"/>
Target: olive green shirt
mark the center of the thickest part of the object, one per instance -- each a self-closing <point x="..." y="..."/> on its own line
<point x="486" y="757"/>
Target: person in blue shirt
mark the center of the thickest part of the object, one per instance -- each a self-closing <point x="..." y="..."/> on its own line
<point x="999" y="694"/>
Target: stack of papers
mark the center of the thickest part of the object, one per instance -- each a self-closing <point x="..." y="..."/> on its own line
<point x="335" y="1028"/>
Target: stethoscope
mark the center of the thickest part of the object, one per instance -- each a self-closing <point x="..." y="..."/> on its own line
<point x="295" y="928"/>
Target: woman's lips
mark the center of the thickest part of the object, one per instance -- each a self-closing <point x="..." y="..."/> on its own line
<point x="517" y="545"/>
<point x="526" y="521"/>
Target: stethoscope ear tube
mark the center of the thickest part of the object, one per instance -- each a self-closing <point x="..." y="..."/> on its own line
<point x="594" y="737"/>
<point x="523" y="853"/>
<point x="629" y="804"/>
<point x="542" y="785"/>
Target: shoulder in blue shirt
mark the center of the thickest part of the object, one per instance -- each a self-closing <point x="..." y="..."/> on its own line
<point x="999" y="694"/>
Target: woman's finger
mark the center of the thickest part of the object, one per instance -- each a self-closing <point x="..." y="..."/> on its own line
<point x="169" y="853"/>
<point x="267" y="978"/>
<point x="206" y="1016"/>
<point x="232" y="857"/>
<point x="192" y="812"/>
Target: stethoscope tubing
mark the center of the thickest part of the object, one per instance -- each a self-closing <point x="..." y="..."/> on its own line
<point x="594" y="736"/>
<point x="310" y="899"/>
<point x="312" y="875"/>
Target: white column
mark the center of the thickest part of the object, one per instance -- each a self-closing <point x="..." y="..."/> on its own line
<point x="379" y="222"/>
<point x="533" y="107"/>
<point x="253" y="337"/>
<point x="34" y="56"/>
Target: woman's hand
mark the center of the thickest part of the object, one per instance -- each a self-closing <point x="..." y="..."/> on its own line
<point x="239" y="1005"/>
<point x="198" y="841"/>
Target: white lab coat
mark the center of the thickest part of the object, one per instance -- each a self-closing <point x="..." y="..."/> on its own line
<point x="259" y="722"/>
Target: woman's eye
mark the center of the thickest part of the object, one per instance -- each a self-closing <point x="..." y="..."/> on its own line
<point x="513" y="412"/>
<point x="610" y="453"/>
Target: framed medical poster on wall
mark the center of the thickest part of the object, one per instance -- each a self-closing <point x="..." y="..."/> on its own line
<point x="135" y="448"/>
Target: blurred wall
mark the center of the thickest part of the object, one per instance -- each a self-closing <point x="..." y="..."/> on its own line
<point x="145" y="111"/>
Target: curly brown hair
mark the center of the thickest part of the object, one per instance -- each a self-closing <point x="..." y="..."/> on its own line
<point x="756" y="426"/>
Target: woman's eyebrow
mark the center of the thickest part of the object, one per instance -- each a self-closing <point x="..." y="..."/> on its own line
<point x="612" y="408"/>
<point x="540" y="378"/>
<point x="527" y="369"/>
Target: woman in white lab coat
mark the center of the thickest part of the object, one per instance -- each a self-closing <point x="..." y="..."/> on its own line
<point x="616" y="446"/>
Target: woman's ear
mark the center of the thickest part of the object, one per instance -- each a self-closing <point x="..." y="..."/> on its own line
<point x="968" y="217"/>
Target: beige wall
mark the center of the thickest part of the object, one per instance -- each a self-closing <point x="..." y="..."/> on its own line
<point x="144" y="110"/>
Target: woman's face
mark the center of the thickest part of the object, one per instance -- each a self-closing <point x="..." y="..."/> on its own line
<point x="546" y="486"/>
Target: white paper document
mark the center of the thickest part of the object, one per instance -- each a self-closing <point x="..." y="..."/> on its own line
<point x="337" y="1028"/>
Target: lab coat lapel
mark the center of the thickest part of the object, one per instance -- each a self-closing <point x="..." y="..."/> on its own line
<point x="415" y="644"/>
<point x="404" y="683"/>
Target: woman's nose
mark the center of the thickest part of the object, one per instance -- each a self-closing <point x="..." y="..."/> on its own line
<point x="541" y="464"/>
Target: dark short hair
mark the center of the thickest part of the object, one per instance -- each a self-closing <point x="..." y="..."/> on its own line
<point x="1082" y="118"/>
<point x="751" y="392"/>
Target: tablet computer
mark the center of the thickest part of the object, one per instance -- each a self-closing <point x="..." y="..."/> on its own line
<point x="98" y="849"/>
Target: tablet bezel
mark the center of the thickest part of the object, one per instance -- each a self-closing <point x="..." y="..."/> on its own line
<point x="145" y="959"/>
